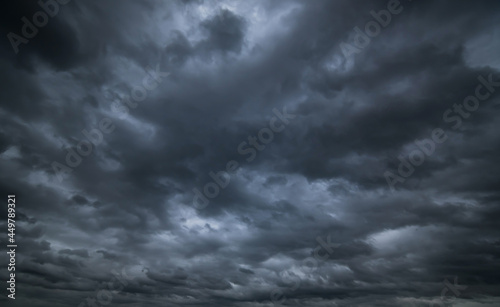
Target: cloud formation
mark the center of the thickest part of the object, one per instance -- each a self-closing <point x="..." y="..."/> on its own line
<point x="125" y="217"/>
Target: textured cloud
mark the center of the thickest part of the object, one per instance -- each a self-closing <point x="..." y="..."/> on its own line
<point x="143" y="102"/>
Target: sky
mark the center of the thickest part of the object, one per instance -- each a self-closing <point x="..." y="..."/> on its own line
<point x="251" y="153"/>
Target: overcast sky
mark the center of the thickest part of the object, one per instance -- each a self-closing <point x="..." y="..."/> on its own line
<point x="252" y="153"/>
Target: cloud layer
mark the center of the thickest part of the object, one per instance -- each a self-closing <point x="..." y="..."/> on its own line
<point x="186" y="87"/>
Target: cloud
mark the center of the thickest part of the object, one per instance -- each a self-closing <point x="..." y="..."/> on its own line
<point x="129" y="204"/>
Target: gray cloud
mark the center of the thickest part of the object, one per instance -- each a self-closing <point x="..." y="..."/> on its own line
<point x="129" y="204"/>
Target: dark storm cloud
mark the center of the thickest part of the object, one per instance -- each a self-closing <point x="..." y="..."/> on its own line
<point x="54" y="42"/>
<point x="78" y="252"/>
<point x="128" y="206"/>
<point x="225" y="32"/>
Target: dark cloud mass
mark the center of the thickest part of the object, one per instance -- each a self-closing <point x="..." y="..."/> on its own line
<point x="251" y="153"/>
